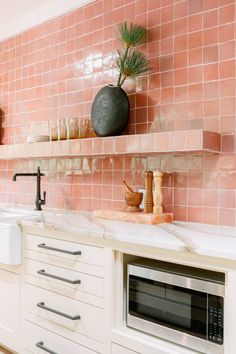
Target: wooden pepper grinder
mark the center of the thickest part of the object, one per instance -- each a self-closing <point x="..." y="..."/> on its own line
<point x="157" y="194"/>
<point x="148" y="203"/>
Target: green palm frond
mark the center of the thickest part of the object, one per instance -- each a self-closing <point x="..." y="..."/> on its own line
<point x="132" y="35"/>
<point x="132" y="64"/>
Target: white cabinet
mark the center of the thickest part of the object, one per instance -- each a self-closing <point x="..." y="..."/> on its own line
<point x="64" y="295"/>
<point x="9" y="309"/>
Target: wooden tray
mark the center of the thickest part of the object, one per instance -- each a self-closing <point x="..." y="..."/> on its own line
<point x="135" y="217"/>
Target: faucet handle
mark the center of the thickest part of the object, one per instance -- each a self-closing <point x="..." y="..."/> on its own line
<point x="43" y="201"/>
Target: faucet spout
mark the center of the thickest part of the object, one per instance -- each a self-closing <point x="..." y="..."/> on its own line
<point x="23" y="175"/>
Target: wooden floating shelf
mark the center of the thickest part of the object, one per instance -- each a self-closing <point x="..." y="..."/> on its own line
<point x="177" y="142"/>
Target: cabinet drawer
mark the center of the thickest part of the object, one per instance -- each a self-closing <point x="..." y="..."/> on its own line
<point x="76" y="252"/>
<point x="61" y="311"/>
<point x="71" y="264"/>
<point x="36" y="335"/>
<point x="50" y="276"/>
<point x="118" y="349"/>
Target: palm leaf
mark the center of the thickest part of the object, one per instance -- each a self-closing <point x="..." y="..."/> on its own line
<point x="132" y="64"/>
<point x="132" y="35"/>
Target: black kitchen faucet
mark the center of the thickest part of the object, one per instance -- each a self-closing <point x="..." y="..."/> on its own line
<point x="38" y="200"/>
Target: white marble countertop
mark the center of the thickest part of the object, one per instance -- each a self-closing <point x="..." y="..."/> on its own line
<point x="202" y="239"/>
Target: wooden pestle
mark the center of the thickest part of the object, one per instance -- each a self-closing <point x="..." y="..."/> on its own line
<point x="148" y="203"/>
<point x="128" y="188"/>
<point x="157" y="193"/>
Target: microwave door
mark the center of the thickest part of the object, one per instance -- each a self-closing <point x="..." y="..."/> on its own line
<point x="161" y="310"/>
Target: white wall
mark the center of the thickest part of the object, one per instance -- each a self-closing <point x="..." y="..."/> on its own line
<point x="42" y="14"/>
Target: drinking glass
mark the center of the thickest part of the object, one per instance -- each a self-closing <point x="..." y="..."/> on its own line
<point x="71" y="127"/>
<point x="83" y="125"/>
<point x="53" y="129"/>
<point x="62" y="129"/>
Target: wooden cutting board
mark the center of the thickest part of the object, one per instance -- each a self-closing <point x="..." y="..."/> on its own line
<point x="135" y="217"/>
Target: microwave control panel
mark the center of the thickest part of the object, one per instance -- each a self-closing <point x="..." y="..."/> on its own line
<point x="215" y="319"/>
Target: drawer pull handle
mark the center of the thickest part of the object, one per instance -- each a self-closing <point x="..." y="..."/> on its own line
<point x="42" y="272"/>
<point x="73" y="318"/>
<point x="42" y="346"/>
<point x="75" y="253"/>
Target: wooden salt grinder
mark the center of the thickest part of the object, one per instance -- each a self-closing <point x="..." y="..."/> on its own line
<point x="157" y="194"/>
<point x="148" y="203"/>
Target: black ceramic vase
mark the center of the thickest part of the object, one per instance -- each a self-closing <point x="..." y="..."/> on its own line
<point x="110" y="111"/>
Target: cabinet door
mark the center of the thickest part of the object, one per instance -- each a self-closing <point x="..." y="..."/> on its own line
<point x="9" y="309"/>
<point x="118" y="349"/>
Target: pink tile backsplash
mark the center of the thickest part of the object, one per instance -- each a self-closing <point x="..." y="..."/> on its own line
<point x="54" y="70"/>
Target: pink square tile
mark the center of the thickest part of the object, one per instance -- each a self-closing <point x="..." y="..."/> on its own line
<point x="98" y="146"/>
<point x="180" y="179"/>
<point x="108" y="145"/>
<point x="66" y="147"/>
<point x="228" y="143"/>
<point x="226" y="14"/>
<point x="180" y="213"/>
<point x="211" y="163"/>
<point x="227" y="199"/>
<point x="210" y="197"/>
<point x="227" y="125"/>
<point x="194" y="197"/>
<point x="120" y="144"/>
<point x="211" y="141"/>
<point x="194" y="140"/>
<point x="227" y="69"/>
<point x="227" y="217"/>
<point x="180" y="196"/>
<point x="75" y="147"/>
<point x="228" y="179"/>
<point x="147" y="143"/>
<point x="210" y="216"/>
<point x="57" y="148"/>
<point x="133" y="144"/>
<point x="180" y="163"/>
<point x="211" y="179"/>
<point x="226" y="32"/>
<point x="178" y="141"/>
<point x="227" y="162"/>
<point x="195" y="214"/>
<point x="195" y="179"/>
<point x="86" y="147"/>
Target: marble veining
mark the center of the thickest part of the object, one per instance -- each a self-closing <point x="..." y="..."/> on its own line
<point x="202" y="239"/>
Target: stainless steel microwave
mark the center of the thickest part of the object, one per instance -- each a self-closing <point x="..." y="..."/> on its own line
<point x="181" y="304"/>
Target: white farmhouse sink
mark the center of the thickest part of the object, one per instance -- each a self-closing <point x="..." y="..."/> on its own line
<point x="10" y="234"/>
<point x="10" y="240"/>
